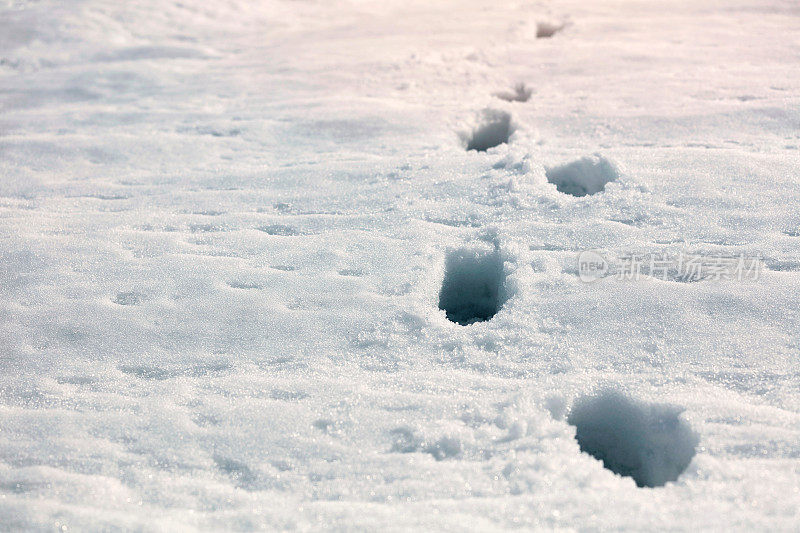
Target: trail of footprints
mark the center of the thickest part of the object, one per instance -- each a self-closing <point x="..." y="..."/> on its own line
<point x="648" y="442"/>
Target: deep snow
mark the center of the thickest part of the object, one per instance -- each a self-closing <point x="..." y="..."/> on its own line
<point x="226" y="234"/>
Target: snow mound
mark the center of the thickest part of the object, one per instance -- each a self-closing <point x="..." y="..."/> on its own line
<point x="587" y="175"/>
<point x="494" y="129"/>
<point x="472" y="290"/>
<point x="648" y="442"/>
<point x="520" y="93"/>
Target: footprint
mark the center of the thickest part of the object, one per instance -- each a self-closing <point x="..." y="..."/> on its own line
<point x="545" y="30"/>
<point x="128" y="298"/>
<point x="520" y="93"/>
<point x="587" y="175"/>
<point x="472" y="290"/>
<point x="648" y="442"/>
<point x="494" y="129"/>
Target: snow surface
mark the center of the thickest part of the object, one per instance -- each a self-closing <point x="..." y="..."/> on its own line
<point x="225" y="229"/>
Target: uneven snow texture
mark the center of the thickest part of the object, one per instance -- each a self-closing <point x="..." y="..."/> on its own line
<point x="227" y="227"/>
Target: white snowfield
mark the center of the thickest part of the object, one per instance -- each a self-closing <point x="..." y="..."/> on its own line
<point x="276" y="265"/>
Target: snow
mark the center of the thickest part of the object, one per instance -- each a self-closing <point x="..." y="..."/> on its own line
<point x="228" y="228"/>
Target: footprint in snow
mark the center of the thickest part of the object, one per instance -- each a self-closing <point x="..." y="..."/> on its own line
<point x="545" y="30"/>
<point x="472" y="290"/>
<point x="494" y="128"/>
<point x="647" y="442"/>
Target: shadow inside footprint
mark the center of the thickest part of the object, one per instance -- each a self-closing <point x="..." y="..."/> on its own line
<point x="545" y="30"/>
<point x="648" y="442"/>
<point x="493" y="130"/>
<point x="472" y="290"/>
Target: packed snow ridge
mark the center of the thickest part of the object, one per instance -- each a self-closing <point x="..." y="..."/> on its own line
<point x="545" y="30"/>
<point x="648" y="442"/>
<point x="520" y="93"/>
<point x="585" y="176"/>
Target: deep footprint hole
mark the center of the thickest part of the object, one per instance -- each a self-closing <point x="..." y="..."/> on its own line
<point x="585" y="176"/>
<point x="647" y="442"/>
<point x="545" y="30"/>
<point x="494" y="129"/>
<point x="472" y="290"/>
